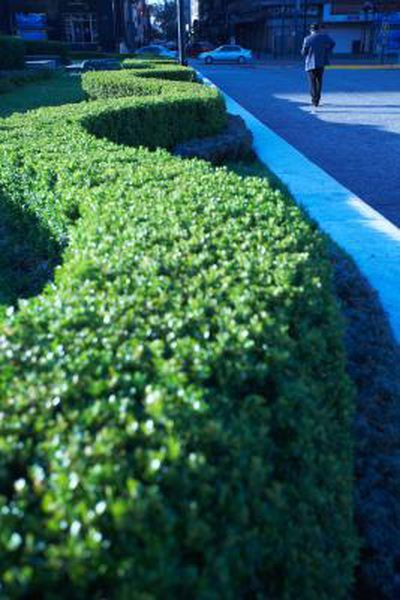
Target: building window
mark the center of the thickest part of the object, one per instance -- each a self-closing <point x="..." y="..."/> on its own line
<point x="81" y="29"/>
<point x="31" y="26"/>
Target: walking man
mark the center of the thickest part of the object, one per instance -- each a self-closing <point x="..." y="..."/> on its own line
<point x="317" y="48"/>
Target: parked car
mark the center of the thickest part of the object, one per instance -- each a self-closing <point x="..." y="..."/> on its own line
<point x="95" y="64"/>
<point x="193" y="50"/>
<point x="156" y="50"/>
<point x="228" y="53"/>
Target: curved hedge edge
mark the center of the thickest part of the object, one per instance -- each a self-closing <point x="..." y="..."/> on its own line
<point x="116" y="84"/>
<point x="187" y="111"/>
<point x="148" y="64"/>
<point x="191" y="333"/>
<point x="151" y="58"/>
<point x="374" y="366"/>
<point x="172" y="73"/>
<point x="102" y="85"/>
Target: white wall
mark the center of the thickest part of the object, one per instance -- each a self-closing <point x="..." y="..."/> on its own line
<point x="344" y="37"/>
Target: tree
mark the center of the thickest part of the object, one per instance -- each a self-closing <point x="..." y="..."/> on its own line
<point x="165" y="19"/>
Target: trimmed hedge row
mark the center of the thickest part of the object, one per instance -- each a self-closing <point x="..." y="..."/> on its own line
<point x="148" y="62"/>
<point x="156" y="58"/>
<point x="103" y="84"/>
<point x="175" y="410"/>
<point x="12" y="52"/>
<point x="154" y="123"/>
<point x="143" y="64"/>
<point x="174" y="73"/>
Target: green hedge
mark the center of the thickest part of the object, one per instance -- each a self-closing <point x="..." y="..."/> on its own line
<point x="175" y="414"/>
<point x="157" y="123"/>
<point x="160" y="69"/>
<point x="148" y="63"/>
<point x="173" y="73"/>
<point x="47" y="47"/>
<point x="152" y="58"/>
<point x="12" y="52"/>
<point x="102" y="84"/>
<point x="141" y="64"/>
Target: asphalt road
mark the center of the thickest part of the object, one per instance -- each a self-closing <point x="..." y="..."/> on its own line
<point x="355" y="135"/>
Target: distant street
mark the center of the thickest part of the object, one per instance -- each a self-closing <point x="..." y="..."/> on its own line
<point x="355" y="136"/>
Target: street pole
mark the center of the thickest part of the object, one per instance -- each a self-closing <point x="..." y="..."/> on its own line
<point x="181" y="31"/>
<point x="305" y="15"/>
<point x="297" y="9"/>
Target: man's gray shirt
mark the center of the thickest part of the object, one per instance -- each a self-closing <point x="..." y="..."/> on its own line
<point x="317" y="48"/>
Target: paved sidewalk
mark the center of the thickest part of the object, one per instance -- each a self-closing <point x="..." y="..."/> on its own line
<point x="355" y="136"/>
<point x="372" y="241"/>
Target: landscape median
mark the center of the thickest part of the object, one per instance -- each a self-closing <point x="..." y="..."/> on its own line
<point x="176" y="416"/>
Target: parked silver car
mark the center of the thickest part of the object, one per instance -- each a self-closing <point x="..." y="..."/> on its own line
<point x="228" y="53"/>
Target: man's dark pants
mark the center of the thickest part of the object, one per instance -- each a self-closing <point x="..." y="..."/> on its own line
<point x="315" y="76"/>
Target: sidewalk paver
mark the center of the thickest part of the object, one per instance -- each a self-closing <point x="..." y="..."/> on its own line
<point x="371" y="239"/>
<point x="355" y="136"/>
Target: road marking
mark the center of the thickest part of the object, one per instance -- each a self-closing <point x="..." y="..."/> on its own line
<point x="371" y="240"/>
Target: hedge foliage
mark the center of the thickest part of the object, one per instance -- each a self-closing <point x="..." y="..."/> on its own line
<point x="172" y="73"/>
<point x="102" y="84"/>
<point x="144" y="64"/>
<point x="152" y="58"/>
<point x="12" y="52"/>
<point x="175" y="412"/>
<point x="147" y="63"/>
<point x="167" y="72"/>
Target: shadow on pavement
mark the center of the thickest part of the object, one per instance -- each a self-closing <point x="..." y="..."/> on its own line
<point x="361" y="148"/>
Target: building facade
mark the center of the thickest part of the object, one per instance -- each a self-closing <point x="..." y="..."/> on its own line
<point x="135" y="24"/>
<point x="364" y="27"/>
<point x="213" y="20"/>
<point x="277" y="28"/>
<point x="83" y="24"/>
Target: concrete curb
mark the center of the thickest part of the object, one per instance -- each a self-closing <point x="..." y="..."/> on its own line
<point x="371" y="240"/>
